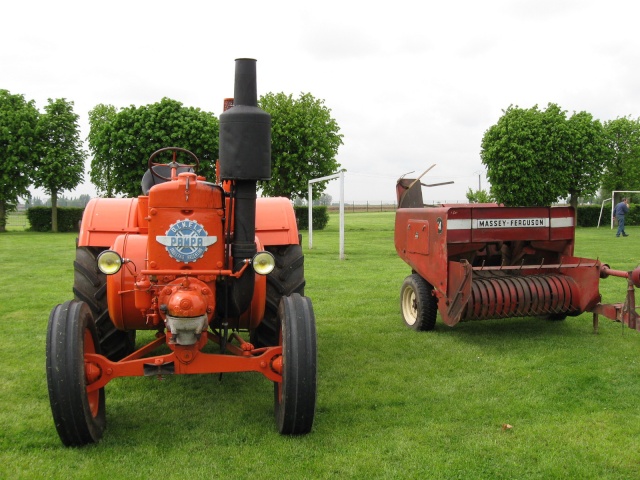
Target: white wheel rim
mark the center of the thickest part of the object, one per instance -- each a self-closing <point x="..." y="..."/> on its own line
<point x="409" y="306"/>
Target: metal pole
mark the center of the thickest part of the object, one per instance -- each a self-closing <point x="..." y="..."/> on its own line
<point x="341" y="215"/>
<point x="310" y="219"/>
<point x="321" y="179"/>
<point x="601" y="210"/>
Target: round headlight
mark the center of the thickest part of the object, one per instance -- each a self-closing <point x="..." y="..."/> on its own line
<point x="263" y="263"/>
<point x="109" y="262"/>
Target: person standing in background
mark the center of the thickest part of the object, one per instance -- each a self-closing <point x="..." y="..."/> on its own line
<point x="619" y="212"/>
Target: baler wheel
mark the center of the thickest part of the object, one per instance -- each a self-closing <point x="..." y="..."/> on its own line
<point x="295" y="396"/>
<point x="79" y="416"/>
<point x="90" y="286"/>
<point x="419" y="307"/>
<point x="286" y="279"/>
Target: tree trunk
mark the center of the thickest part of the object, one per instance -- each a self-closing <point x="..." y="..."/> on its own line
<point x="54" y="210"/>
<point x="573" y="201"/>
<point x="3" y="216"/>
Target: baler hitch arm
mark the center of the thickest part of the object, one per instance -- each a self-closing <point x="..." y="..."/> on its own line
<point x="620" y="312"/>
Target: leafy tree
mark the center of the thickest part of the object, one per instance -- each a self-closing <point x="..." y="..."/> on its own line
<point x="479" y="196"/>
<point x="622" y="172"/>
<point x="34" y="202"/>
<point x="516" y="151"/>
<point x="304" y="144"/>
<point x="82" y="200"/>
<point x="123" y="141"/>
<point x="325" y="199"/>
<point x="18" y="155"/>
<point x="534" y="157"/>
<point x="61" y="163"/>
<point x="587" y="155"/>
<point x="101" y="119"/>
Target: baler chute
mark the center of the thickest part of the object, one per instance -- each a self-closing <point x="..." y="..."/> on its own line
<point x="482" y="261"/>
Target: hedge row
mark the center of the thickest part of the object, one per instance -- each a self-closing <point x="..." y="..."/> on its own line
<point x="588" y="215"/>
<point x="68" y="218"/>
<point x="320" y="217"/>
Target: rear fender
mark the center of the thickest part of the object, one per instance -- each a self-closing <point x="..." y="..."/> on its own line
<point x="276" y="221"/>
<point x="104" y="219"/>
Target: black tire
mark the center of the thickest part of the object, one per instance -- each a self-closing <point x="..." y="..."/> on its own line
<point x="295" y="397"/>
<point x="79" y="417"/>
<point x="418" y="305"/>
<point x="90" y="286"/>
<point x="286" y="279"/>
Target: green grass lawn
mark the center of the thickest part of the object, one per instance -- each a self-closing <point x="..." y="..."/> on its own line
<point x="392" y="403"/>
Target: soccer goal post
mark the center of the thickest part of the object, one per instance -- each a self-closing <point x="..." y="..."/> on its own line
<point x="339" y="175"/>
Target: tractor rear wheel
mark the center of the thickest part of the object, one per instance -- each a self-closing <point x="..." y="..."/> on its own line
<point x="287" y="278"/>
<point x="295" y="396"/>
<point x="90" y="286"/>
<point x="79" y="416"/>
<point x="418" y="304"/>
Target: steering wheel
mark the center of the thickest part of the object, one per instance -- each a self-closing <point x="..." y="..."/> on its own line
<point x="173" y="164"/>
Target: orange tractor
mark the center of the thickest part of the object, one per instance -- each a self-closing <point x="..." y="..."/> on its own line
<point x="197" y="262"/>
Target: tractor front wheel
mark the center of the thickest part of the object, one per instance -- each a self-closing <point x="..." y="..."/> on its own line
<point x="295" y="396"/>
<point x="79" y="415"/>
<point x="418" y="304"/>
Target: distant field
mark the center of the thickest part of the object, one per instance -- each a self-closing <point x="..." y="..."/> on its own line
<point x="17" y="221"/>
<point x="392" y="403"/>
<point x="366" y="207"/>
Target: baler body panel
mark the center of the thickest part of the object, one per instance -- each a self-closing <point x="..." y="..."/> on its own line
<point x="420" y="243"/>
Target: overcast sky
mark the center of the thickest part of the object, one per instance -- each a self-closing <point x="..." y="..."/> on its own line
<point x="410" y="83"/>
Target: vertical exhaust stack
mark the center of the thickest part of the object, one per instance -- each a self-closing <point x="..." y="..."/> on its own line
<point x="245" y="131"/>
<point x="245" y="158"/>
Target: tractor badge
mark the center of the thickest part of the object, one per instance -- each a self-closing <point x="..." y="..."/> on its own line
<point x="186" y="240"/>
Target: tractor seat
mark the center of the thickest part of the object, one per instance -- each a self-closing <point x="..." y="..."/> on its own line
<point x="149" y="180"/>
